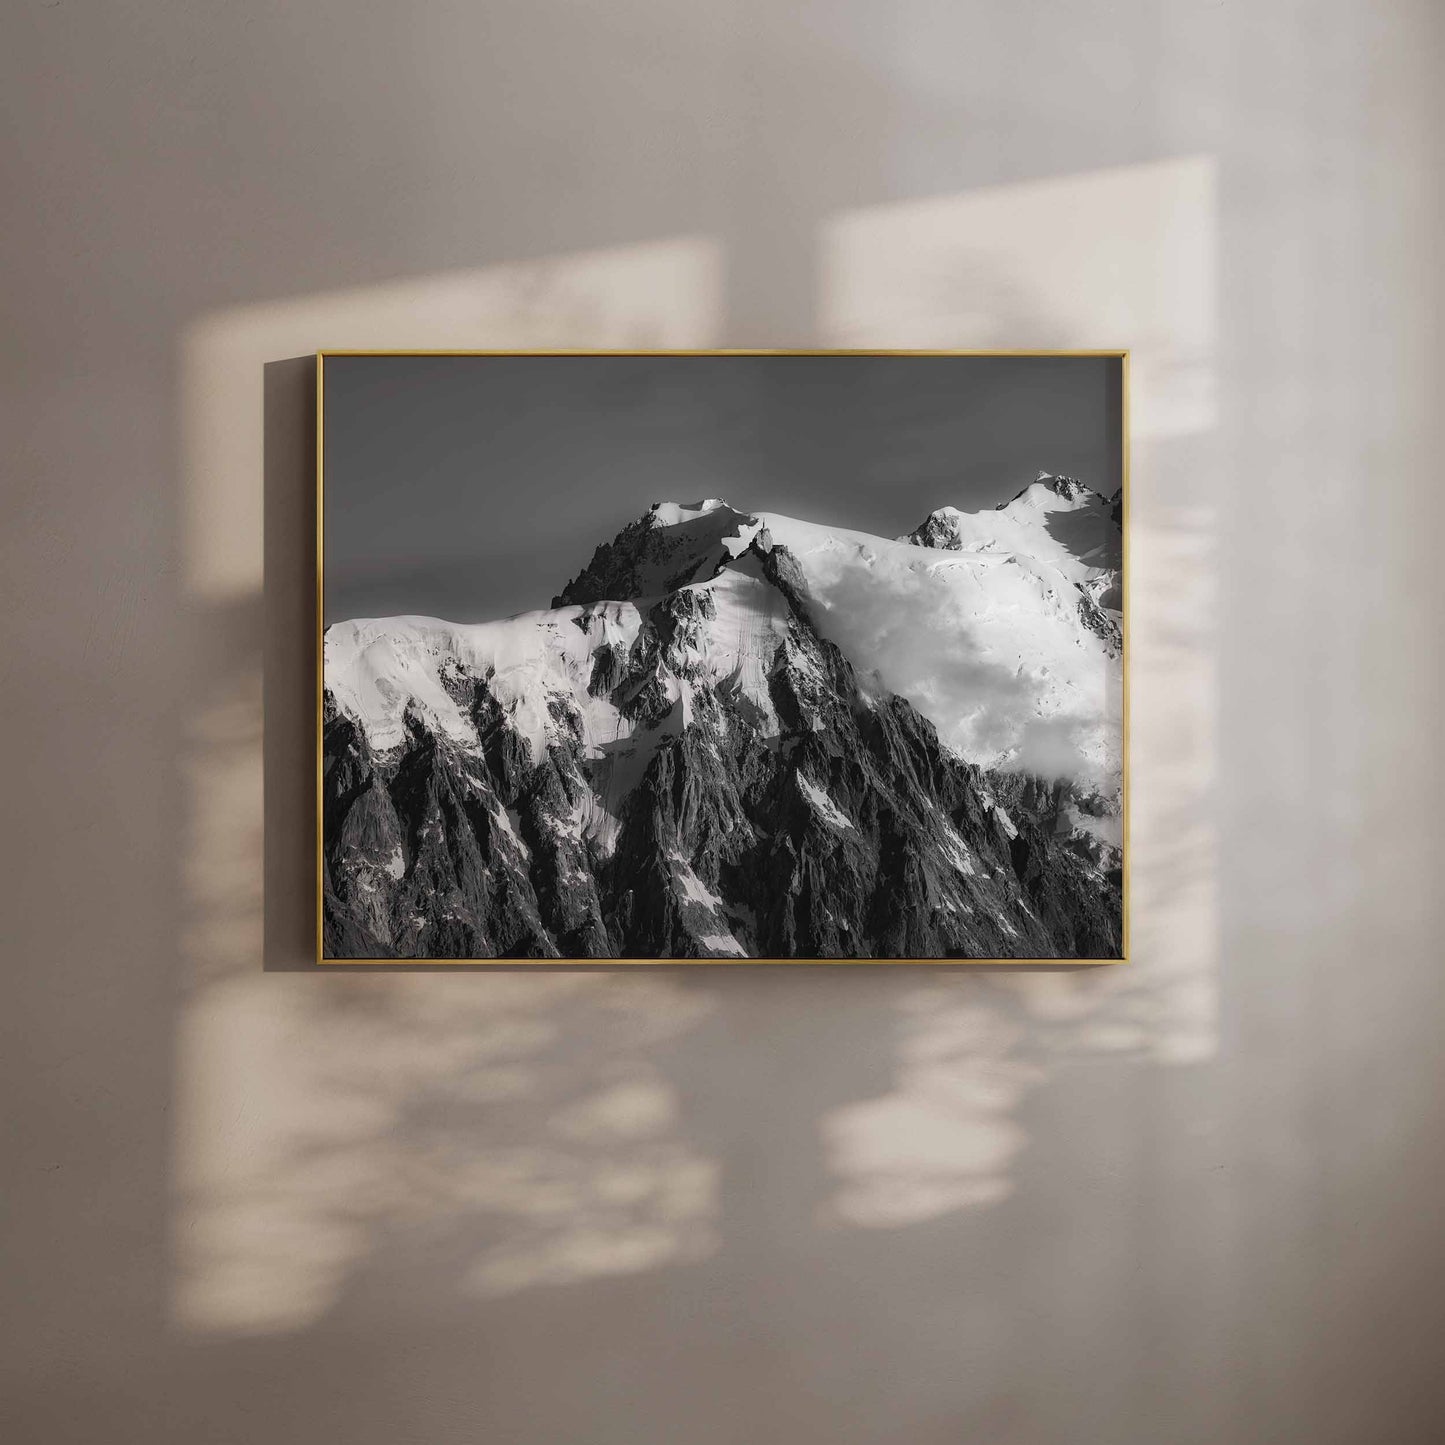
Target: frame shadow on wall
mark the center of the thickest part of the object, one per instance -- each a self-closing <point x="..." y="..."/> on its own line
<point x="289" y="665"/>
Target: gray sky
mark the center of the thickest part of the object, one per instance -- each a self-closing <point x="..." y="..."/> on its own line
<point x="470" y="488"/>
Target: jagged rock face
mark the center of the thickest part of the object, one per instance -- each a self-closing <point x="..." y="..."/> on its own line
<point x="677" y="762"/>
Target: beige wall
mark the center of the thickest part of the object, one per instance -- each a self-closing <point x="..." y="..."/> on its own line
<point x="1193" y="1201"/>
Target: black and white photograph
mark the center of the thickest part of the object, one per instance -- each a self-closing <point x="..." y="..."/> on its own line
<point x="724" y="656"/>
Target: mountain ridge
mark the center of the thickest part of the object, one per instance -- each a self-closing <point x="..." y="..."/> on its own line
<point x="698" y="770"/>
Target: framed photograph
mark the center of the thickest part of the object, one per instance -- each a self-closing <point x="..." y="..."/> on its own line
<point x="663" y="657"/>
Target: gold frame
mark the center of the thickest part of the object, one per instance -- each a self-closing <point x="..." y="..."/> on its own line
<point x="1121" y="355"/>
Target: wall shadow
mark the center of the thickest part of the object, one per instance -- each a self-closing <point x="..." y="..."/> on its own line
<point x="288" y="689"/>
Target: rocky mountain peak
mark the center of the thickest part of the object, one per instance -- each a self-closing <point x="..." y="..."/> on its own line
<point x="1068" y="489"/>
<point x="670" y="545"/>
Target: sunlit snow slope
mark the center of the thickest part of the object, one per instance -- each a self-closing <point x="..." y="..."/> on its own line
<point x="1010" y="644"/>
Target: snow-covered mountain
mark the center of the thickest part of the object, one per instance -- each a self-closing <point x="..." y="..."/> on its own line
<point x="1065" y="531"/>
<point x="738" y="734"/>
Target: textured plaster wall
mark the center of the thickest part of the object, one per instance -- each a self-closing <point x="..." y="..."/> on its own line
<point x="1197" y="1201"/>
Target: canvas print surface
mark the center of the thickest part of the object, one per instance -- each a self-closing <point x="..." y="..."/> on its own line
<point x="722" y="657"/>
